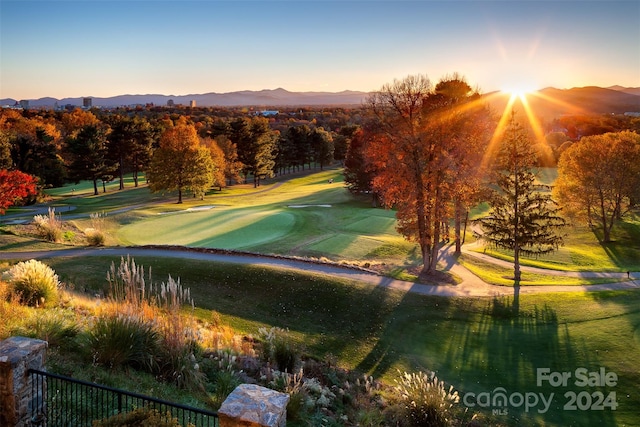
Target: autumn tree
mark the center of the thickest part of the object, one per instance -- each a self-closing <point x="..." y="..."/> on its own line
<point x="462" y="124"/>
<point x="5" y="150"/>
<point x="232" y="166"/>
<point x="35" y="147"/>
<point x="523" y="218"/>
<point x="14" y="186"/>
<point x="219" y="162"/>
<point x="599" y="178"/>
<point x="417" y="152"/>
<point x="89" y="155"/>
<point x="180" y="163"/>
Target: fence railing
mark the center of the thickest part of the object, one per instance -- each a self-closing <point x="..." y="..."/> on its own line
<point x="60" y="401"/>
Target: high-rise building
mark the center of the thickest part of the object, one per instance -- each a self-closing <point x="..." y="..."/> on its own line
<point x="192" y="103"/>
<point x="87" y="102"/>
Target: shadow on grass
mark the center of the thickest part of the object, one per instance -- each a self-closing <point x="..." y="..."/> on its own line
<point x="487" y="352"/>
<point x="624" y="246"/>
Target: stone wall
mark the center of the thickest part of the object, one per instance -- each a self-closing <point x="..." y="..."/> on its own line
<point x="249" y="405"/>
<point x="17" y="356"/>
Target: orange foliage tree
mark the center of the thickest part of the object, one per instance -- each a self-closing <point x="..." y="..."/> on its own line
<point x="15" y="185"/>
<point x="424" y="154"/>
<point x="180" y="163"/>
<point x="599" y="178"/>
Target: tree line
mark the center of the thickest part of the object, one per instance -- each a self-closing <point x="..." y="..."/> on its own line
<point x="178" y="152"/>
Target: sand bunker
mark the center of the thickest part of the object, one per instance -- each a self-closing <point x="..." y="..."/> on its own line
<point x="200" y="208"/>
<point x="194" y="209"/>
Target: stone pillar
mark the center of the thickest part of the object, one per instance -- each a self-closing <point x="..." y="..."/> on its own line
<point x="251" y="405"/>
<point x="17" y="356"/>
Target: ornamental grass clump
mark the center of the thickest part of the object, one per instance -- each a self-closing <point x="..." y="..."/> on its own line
<point x="178" y="336"/>
<point x="133" y="297"/>
<point x="425" y="399"/>
<point x="119" y="340"/>
<point x="35" y="283"/>
<point x="95" y="234"/>
<point x="278" y="349"/>
<point x="49" y="226"/>
<point x="58" y="327"/>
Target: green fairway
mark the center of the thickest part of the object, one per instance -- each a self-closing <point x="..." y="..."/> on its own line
<point x="472" y="343"/>
<point x="306" y="216"/>
<point x="219" y="228"/>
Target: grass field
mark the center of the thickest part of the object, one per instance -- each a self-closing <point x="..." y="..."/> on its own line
<point x="473" y="344"/>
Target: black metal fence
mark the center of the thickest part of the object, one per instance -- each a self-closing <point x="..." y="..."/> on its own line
<point x="59" y="401"/>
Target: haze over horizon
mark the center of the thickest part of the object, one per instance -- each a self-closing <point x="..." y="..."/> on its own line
<point x="79" y="48"/>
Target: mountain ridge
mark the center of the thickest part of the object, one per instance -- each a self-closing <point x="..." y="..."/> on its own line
<point x="264" y="97"/>
<point x="547" y="102"/>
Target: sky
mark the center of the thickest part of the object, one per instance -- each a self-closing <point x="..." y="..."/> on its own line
<point x="104" y="48"/>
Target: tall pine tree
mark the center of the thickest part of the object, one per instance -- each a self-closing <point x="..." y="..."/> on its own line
<point x="523" y="218"/>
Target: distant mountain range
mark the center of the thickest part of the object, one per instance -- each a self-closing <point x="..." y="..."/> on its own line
<point x="551" y="102"/>
<point x="267" y="98"/>
<point x="546" y="103"/>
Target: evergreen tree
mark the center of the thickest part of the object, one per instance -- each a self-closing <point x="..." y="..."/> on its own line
<point x="89" y="149"/>
<point x="522" y="217"/>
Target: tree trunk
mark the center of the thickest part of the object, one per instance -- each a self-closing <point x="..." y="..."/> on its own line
<point x="516" y="280"/>
<point x="95" y="187"/>
<point x="179" y="195"/>
<point x="458" y="226"/>
<point x="606" y="235"/>
<point x="121" y="172"/>
<point x="464" y="233"/>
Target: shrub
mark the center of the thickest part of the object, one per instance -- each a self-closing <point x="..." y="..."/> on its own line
<point x="54" y="326"/>
<point x="425" y="399"/>
<point x="119" y="340"/>
<point x="95" y="234"/>
<point x="11" y="311"/>
<point x="94" y="237"/>
<point x="178" y="365"/>
<point x="278" y="349"/>
<point x="49" y="226"/>
<point x="34" y="282"/>
<point x="141" y="417"/>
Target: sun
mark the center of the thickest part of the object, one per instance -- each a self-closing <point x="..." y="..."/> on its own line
<point x="518" y="90"/>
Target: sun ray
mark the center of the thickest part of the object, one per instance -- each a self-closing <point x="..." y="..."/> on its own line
<point x="497" y="133"/>
<point x="536" y="126"/>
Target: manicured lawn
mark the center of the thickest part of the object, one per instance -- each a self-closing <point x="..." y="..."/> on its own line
<point x="502" y="276"/>
<point x="472" y="344"/>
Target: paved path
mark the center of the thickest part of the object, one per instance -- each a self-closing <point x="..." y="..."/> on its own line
<point x="471" y="285"/>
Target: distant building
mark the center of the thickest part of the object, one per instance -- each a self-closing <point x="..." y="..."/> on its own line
<point x="87" y="102"/>
<point x="24" y="104"/>
<point x="266" y="113"/>
<point x="192" y="103"/>
<point x="170" y="103"/>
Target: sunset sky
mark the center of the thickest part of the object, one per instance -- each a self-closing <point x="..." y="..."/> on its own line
<point x="107" y="48"/>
